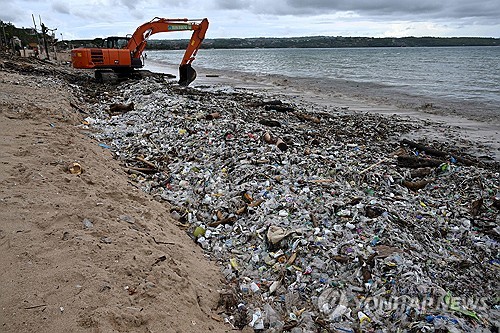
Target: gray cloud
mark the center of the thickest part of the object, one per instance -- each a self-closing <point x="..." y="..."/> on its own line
<point x="381" y="7"/>
<point x="130" y="4"/>
<point x="11" y="12"/>
<point x="417" y="9"/>
<point x="250" y="18"/>
<point x="232" y="4"/>
<point x="61" y="7"/>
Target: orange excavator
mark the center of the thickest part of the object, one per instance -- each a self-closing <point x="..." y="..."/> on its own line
<point x="123" y="61"/>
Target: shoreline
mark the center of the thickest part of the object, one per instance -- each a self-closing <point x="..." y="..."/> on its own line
<point x="485" y="132"/>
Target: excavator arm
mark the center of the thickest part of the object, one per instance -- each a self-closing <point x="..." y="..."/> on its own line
<point x="123" y="61"/>
<point x="138" y="41"/>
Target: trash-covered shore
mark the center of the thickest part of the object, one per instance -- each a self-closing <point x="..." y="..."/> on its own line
<point x="322" y="219"/>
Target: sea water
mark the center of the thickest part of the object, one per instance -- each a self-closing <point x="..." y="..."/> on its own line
<point x="465" y="78"/>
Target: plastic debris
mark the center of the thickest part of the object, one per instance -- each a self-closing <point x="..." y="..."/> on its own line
<point x="87" y="224"/>
<point x="75" y="168"/>
<point x="363" y="317"/>
<point x="257" y="320"/>
<point x="346" y="229"/>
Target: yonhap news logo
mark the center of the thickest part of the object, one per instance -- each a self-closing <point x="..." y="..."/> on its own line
<point x="334" y="303"/>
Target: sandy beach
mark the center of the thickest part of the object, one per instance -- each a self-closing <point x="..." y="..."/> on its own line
<point x="177" y="208"/>
<point x="85" y="252"/>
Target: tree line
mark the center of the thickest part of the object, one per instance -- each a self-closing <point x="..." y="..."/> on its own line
<point x="29" y="35"/>
<point x="325" y="42"/>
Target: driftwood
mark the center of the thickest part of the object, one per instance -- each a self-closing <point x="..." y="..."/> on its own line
<point x="266" y="103"/>
<point x="435" y="152"/>
<point x="134" y="170"/>
<point x="275" y="105"/>
<point x="227" y="220"/>
<point x="417" y="162"/>
<point x="270" y="122"/>
<point x="421" y="172"/>
<point x="415" y="186"/>
<point x="307" y="117"/>
<point x="476" y="206"/>
<point x="374" y="165"/>
<point x="496" y="203"/>
<point x="79" y="109"/>
<point x="281" y="145"/>
<point x="281" y="108"/>
<point x="314" y="220"/>
<point x="213" y="115"/>
<point x="151" y="165"/>
<point x="268" y="138"/>
<point x="117" y="108"/>
<point x="242" y="210"/>
<point x="256" y="203"/>
<point x="373" y="211"/>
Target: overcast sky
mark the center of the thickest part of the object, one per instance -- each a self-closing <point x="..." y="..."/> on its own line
<point x="88" y="19"/>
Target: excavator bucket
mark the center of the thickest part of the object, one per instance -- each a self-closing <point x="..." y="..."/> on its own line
<point x="186" y="75"/>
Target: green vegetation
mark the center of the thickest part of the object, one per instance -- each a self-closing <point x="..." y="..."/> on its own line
<point x="25" y="35"/>
<point x="324" y="42"/>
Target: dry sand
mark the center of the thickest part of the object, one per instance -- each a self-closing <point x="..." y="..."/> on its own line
<point x="133" y="270"/>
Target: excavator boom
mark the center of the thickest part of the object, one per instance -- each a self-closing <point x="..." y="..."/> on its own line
<point x="126" y="59"/>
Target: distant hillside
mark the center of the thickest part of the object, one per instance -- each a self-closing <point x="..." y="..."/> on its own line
<point x="325" y="42"/>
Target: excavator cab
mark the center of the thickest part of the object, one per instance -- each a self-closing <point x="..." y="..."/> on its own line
<point x="187" y="74"/>
<point x="115" y="42"/>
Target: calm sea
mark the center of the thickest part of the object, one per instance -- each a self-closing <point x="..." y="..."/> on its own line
<point x="459" y="77"/>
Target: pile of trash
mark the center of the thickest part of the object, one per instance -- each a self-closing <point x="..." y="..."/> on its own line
<point x="322" y="218"/>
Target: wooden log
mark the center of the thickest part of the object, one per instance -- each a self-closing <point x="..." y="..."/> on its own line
<point x="435" y="152"/>
<point x="307" y="117"/>
<point x="79" y="109"/>
<point x="118" y="108"/>
<point x="227" y="220"/>
<point x="213" y="115"/>
<point x="420" y="173"/>
<point x="415" y="186"/>
<point x="150" y="164"/>
<point x="268" y="138"/>
<point x="281" y="145"/>
<point x="143" y="170"/>
<point x="420" y="147"/>
<point x="270" y="122"/>
<point x="280" y="108"/>
<point x="265" y="103"/>
<point x="417" y="162"/>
